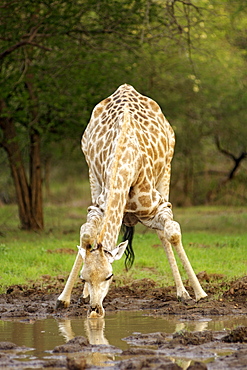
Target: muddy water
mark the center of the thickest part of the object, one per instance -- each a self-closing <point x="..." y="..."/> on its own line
<point x="43" y="335"/>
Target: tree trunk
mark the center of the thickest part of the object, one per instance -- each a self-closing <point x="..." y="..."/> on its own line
<point x="36" y="181"/>
<point x="35" y="160"/>
<point x="27" y="198"/>
<point x="47" y="175"/>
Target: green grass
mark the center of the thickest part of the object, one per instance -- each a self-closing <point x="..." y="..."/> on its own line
<point x="215" y="240"/>
<point x="215" y="254"/>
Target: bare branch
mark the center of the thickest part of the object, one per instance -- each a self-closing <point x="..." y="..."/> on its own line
<point x="223" y="151"/>
<point x="236" y="159"/>
<point x="40" y="46"/>
<point x="231" y="174"/>
<point x="12" y="48"/>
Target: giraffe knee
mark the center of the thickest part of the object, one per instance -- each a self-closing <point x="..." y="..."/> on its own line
<point x="175" y="239"/>
<point x="173" y="232"/>
<point x="86" y="234"/>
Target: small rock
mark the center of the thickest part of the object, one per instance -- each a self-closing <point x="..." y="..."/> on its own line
<point x="236" y="335"/>
<point x="73" y="345"/>
<point x="197" y="366"/>
<point x="7" y="345"/>
<point x="76" y="363"/>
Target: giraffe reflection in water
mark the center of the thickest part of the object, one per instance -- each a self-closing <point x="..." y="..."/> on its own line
<point x="95" y="332"/>
<point x="94" y="329"/>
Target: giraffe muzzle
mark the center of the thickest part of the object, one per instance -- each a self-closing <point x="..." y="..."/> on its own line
<point x="95" y="312"/>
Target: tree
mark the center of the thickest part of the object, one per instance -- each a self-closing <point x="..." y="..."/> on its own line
<point x="225" y="94"/>
<point x="210" y="123"/>
<point x="48" y="67"/>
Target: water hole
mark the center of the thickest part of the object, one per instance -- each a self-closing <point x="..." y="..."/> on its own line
<point x="41" y="336"/>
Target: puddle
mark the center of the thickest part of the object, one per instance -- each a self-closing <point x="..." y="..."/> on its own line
<point x="43" y="335"/>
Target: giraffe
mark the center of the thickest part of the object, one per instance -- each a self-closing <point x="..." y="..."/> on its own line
<point x="128" y="145"/>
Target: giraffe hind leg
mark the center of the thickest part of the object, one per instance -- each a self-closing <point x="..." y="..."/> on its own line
<point x="182" y="293"/>
<point x="162" y="215"/>
<point x="172" y="233"/>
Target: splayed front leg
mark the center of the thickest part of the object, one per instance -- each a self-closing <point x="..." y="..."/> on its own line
<point x="87" y="235"/>
<point x="63" y="300"/>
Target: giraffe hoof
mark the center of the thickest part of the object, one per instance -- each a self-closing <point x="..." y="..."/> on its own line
<point x="183" y="296"/>
<point x="61" y="304"/>
<point x="201" y="296"/>
<point x="188" y="301"/>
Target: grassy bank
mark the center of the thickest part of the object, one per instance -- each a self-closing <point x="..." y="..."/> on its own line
<point x="215" y="240"/>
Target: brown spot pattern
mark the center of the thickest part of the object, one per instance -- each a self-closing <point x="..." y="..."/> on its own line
<point x="145" y="148"/>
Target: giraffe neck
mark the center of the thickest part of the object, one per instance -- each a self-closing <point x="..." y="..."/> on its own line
<point x="112" y="227"/>
<point x="118" y="188"/>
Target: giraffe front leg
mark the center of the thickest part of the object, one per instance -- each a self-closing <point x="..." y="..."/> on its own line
<point x="63" y="300"/>
<point x="182" y="293"/>
<point x="87" y="236"/>
<point x="173" y="234"/>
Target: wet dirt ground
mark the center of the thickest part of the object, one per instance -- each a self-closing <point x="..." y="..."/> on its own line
<point x="148" y="351"/>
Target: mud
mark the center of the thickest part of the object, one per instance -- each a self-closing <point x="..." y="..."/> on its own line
<point x="209" y="349"/>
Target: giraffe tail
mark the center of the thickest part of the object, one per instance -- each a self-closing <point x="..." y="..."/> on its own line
<point x="129" y="252"/>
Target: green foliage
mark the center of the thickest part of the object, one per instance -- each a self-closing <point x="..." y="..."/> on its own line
<point x="188" y="56"/>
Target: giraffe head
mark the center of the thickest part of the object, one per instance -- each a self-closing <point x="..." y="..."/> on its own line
<point x="97" y="274"/>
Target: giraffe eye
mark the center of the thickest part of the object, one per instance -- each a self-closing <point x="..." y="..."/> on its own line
<point x="109" y="277"/>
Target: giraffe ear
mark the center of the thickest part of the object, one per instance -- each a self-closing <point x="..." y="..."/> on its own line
<point x="117" y="252"/>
